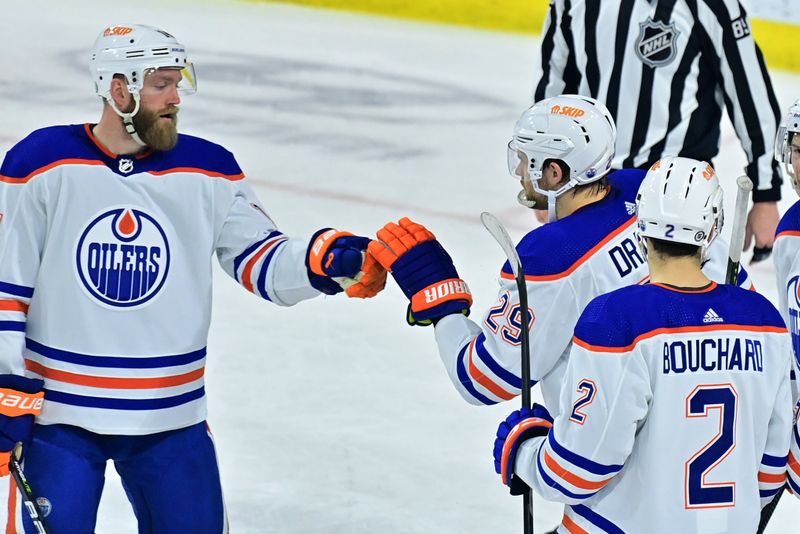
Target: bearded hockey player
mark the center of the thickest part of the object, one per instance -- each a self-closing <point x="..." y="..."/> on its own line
<point x="105" y="292"/>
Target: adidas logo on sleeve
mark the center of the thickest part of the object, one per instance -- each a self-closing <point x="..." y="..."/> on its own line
<point x="712" y="317"/>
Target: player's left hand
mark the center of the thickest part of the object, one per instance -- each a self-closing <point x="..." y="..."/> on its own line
<point x="762" y="221"/>
<point x="521" y="425"/>
<point x="338" y="261"/>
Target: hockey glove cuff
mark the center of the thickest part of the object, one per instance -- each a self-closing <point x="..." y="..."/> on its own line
<point x="423" y="269"/>
<point x="337" y="261"/>
<point x="521" y="425"/>
<point x="21" y="401"/>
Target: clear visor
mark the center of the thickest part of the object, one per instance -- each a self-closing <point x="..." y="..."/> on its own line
<point x="159" y="80"/>
<point x="517" y="162"/>
<point x="782" y="150"/>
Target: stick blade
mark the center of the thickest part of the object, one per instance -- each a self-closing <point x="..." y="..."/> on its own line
<point x="495" y="227"/>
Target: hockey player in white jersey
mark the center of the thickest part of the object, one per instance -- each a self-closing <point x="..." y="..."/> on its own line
<point x="787" y="261"/>
<point x="561" y="152"/>
<point x="676" y="407"/>
<point x="105" y="292"/>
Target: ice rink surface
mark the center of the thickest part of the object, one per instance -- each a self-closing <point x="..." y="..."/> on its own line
<point x="334" y="416"/>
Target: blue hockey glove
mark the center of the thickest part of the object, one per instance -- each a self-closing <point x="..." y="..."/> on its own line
<point x="337" y="261"/>
<point x="424" y="271"/>
<point x="521" y="425"/>
<point x="20" y="402"/>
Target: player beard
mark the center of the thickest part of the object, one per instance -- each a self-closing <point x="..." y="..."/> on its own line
<point x="156" y="132"/>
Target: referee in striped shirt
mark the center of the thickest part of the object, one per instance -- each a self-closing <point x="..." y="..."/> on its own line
<point x="665" y="69"/>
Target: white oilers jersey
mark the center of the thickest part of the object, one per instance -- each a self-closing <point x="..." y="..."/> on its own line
<point x="105" y="274"/>
<point x="786" y="256"/>
<point x="567" y="263"/>
<point x="675" y="419"/>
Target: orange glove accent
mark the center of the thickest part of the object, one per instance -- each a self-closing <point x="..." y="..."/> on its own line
<point x="14" y="403"/>
<point x="371" y="282"/>
<point x="5" y="458"/>
<point x="395" y="240"/>
<point x="439" y="292"/>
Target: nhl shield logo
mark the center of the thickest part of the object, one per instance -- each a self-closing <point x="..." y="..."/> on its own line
<point x="122" y="258"/>
<point x="125" y="165"/>
<point x="656" y="45"/>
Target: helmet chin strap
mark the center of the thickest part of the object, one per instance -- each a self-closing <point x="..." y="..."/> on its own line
<point x="127" y="118"/>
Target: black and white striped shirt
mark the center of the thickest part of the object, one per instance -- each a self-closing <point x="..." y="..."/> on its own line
<point x="665" y="69"/>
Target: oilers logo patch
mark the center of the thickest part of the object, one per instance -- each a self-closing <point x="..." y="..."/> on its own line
<point x="44" y="505"/>
<point x="122" y="258"/>
<point x="656" y="45"/>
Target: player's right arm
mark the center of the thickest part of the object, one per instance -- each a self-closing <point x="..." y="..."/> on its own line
<point x="482" y="360"/>
<point x="794" y="456"/>
<point x="555" y="53"/>
<point x="605" y="397"/>
<point x="772" y="470"/>
<point x="22" y="237"/>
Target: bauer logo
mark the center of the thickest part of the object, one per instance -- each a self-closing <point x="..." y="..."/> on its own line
<point x="122" y="258"/>
<point x="656" y="45"/>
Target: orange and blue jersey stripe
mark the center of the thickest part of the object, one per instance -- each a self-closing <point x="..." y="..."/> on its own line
<point x="483" y="377"/>
<point x="591" y="517"/>
<point x="117" y="382"/>
<point x="571" y="474"/>
<point x="771" y="476"/>
<point x="75" y="144"/>
<point x="251" y="266"/>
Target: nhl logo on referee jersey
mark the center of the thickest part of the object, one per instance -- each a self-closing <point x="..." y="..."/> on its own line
<point x="122" y="258"/>
<point x="656" y="45"/>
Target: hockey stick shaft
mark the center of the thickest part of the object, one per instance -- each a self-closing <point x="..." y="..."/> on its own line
<point x="28" y="499"/>
<point x="499" y="233"/>
<point x="743" y="188"/>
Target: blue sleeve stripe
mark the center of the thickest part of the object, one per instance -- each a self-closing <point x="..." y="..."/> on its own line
<point x="793" y="485"/>
<point x="262" y="275"/>
<point x="555" y="485"/>
<point x="465" y="380"/>
<point x="596" y="519"/>
<point x="506" y="376"/>
<point x="584" y="463"/>
<point x="12" y="326"/>
<point x="769" y="492"/>
<point x="249" y="250"/>
<point x="51" y="395"/>
<point x="774" y="461"/>
<point x="14" y="289"/>
<point x="117" y="362"/>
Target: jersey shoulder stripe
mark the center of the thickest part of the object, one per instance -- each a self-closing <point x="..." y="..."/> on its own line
<point x="641" y="312"/>
<point x="75" y="144"/>
<point x="556" y="249"/>
<point x="790" y="222"/>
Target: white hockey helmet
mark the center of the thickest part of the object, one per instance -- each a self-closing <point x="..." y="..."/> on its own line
<point x="575" y="129"/>
<point x="783" y="149"/>
<point x="680" y="200"/>
<point x="135" y="51"/>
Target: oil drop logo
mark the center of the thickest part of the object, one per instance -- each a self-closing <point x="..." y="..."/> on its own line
<point x="122" y="258"/>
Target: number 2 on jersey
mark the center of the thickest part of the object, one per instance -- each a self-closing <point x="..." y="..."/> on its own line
<point x="697" y="492"/>
<point x="588" y="390"/>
